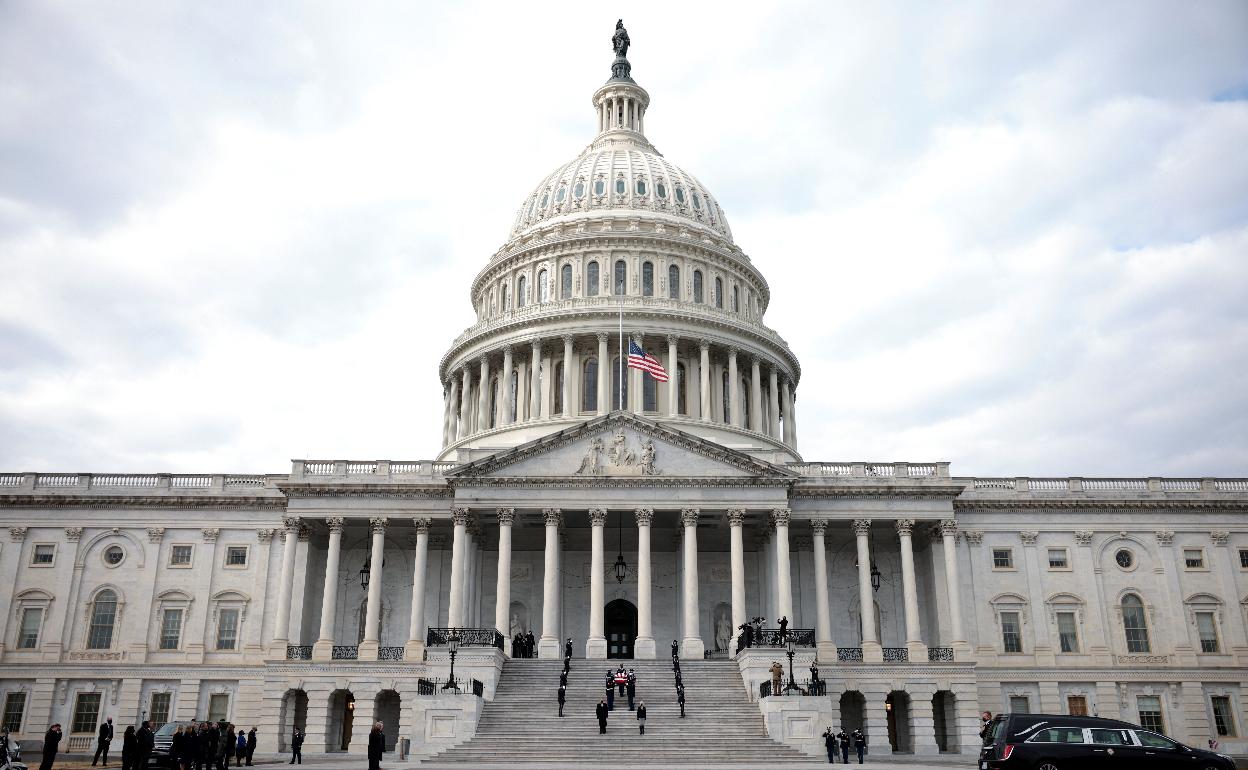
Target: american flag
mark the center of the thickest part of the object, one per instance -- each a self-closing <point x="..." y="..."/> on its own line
<point x="639" y="359"/>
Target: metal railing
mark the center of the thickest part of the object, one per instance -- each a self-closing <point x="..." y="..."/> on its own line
<point x="389" y="653"/>
<point x="896" y="655"/>
<point x="800" y="686"/>
<point x="468" y="637"/>
<point x="430" y="686"/>
<point x="772" y="637"/>
<point x="345" y="652"/>
<point x="940" y="654"/>
<point x="298" y="652"/>
<point x="849" y="654"/>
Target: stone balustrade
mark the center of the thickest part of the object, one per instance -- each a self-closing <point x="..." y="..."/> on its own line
<point x="1134" y="486"/>
<point x="354" y="469"/>
<point x="132" y="483"/>
<point x="863" y="470"/>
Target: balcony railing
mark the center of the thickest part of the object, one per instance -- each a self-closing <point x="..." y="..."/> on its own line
<point x="468" y="637"/>
<point x="345" y="652"/>
<point x="896" y="655"/>
<point x="772" y="637"/>
<point x="849" y="654"/>
<point x="940" y="654"/>
<point x="298" y="652"/>
<point x="357" y="470"/>
<point x="430" y="686"/>
<point x="390" y="653"/>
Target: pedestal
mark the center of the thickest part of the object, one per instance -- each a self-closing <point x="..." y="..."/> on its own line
<point x="692" y="648"/>
<point x="596" y="649"/>
<point x="825" y="653"/>
<point x="413" y="652"/>
<point x="368" y="650"/>
<point x="644" y="648"/>
<point x="872" y="652"/>
<point x="548" y="649"/>
<point x="917" y="652"/>
<point x="322" y="651"/>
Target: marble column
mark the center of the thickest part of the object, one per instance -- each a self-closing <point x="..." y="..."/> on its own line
<point x="673" y="380"/>
<point x="773" y="399"/>
<point x="691" y="647"/>
<point x="786" y="396"/>
<point x="568" y="374"/>
<point x="281" y="626"/>
<point x="507" y="397"/>
<point x="736" y="520"/>
<point x="596" y="643"/>
<point x="465" y="404"/>
<point x="704" y="374"/>
<point x="872" y="652"/>
<point x="502" y="583"/>
<point x="784" y="578"/>
<point x="415" y="647"/>
<point x="604" y="375"/>
<point x="548" y="646"/>
<point x="756" y="396"/>
<point x="446" y="412"/>
<point x="910" y="591"/>
<point x="644" y="646"/>
<point x="372" y="619"/>
<point x="324" y="647"/>
<point x="825" y="649"/>
<point x="535" y="386"/>
<point x="734" y="390"/>
<point x="949" y="545"/>
<point x="459" y="545"/>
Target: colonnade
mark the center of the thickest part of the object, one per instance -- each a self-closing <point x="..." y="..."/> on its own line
<point x="479" y="394"/>
<point x="464" y="562"/>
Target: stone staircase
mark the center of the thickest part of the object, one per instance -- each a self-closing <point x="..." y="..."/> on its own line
<point x="521" y="725"/>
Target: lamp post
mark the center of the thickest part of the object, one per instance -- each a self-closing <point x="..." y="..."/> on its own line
<point x="790" y="650"/>
<point x="452" y="644"/>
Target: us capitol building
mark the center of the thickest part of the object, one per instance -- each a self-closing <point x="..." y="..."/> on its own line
<point x="321" y="598"/>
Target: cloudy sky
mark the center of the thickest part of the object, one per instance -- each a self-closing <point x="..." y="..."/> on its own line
<point x="1009" y="235"/>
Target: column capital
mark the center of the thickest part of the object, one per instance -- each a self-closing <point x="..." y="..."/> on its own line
<point x="305" y="533"/>
<point x="905" y="527"/>
<point x="291" y="523"/>
<point x="755" y="361"/>
<point x="1165" y="536"/>
<point x="948" y="527"/>
<point x="862" y="527"/>
<point x="155" y="534"/>
<point x="568" y="339"/>
<point x="507" y="350"/>
<point x="552" y="516"/>
<point x="484" y="359"/>
<point x="732" y="352"/>
<point x="377" y="525"/>
<point x="210" y="534"/>
<point x="781" y="516"/>
<point x="644" y="516"/>
<point x="506" y="516"/>
<point x="736" y="517"/>
<point x="422" y="525"/>
<point x="602" y="337"/>
<point x="335" y="523"/>
<point x="1029" y="537"/>
<point x="597" y="517"/>
<point x="818" y="526"/>
<point x="537" y="347"/>
<point x="689" y="517"/>
<point x="974" y="537"/>
<point x="460" y="516"/>
<point x="1083" y="536"/>
<point x="265" y="535"/>
<point x="1220" y="536"/>
<point x="672" y="339"/>
<point x="18" y="534"/>
<point x="802" y="543"/>
<point x="704" y="345"/>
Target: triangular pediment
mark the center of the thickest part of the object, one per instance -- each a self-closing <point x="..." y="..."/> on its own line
<point x="620" y="445"/>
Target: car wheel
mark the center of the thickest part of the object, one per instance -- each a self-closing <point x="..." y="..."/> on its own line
<point x="1046" y="765"/>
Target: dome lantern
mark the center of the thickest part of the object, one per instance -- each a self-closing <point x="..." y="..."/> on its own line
<point x="621" y="103"/>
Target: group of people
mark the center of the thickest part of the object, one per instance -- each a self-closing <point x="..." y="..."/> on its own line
<point x="209" y="745"/>
<point x="524" y="645"/>
<point x="563" y="675"/>
<point x="680" y="685"/>
<point x="626" y="681"/>
<point x="842" y="741"/>
<point x="752" y="632"/>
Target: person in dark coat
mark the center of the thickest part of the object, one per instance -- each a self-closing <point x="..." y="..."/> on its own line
<point x="530" y="644"/>
<point x="211" y="739"/>
<point x="602" y="712"/>
<point x="563" y="697"/>
<point x="680" y="698"/>
<point x="641" y="717"/>
<point x="129" y="749"/>
<point x="567" y="648"/>
<point x="843" y="740"/>
<point x="101" y="743"/>
<point x="610" y="691"/>
<point x="632" y="688"/>
<point x="251" y="744"/>
<point x="829" y="743"/>
<point x="177" y="746"/>
<point x="784" y="628"/>
<point x="146" y="742"/>
<point x="675" y="650"/>
<point x="563" y="678"/>
<point x="296" y="748"/>
<point x="51" y="740"/>
<point x="860" y="744"/>
<point x="240" y="749"/>
<point x="376" y="746"/>
<point x="228" y="746"/>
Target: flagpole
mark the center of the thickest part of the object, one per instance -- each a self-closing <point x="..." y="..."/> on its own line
<point x="619" y="394"/>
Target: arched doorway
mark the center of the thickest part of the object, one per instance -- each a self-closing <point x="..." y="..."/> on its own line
<point x="621" y="628"/>
<point x="294" y="717"/>
<point x="897" y="705"/>
<point x="853" y="706"/>
<point x="341" y="719"/>
<point x="386" y="709"/>
<point x="944" y="720"/>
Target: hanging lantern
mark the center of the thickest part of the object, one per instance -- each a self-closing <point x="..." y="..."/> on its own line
<point x="621" y="566"/>
<point x="364" y="573"/>
<point x="875" y="576"/>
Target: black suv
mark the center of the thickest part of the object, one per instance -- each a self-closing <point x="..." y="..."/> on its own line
<point x="1056" y="742"/>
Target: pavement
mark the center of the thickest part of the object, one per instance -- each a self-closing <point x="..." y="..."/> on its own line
<point x="908" y="763"/>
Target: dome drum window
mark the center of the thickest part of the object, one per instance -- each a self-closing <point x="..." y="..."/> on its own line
<point x="660" y="190"/>
<point x="621" y="186"/>
<point x="545" y="200"/>
<point x="600" y="187"/>
<point x="1125" y="559"/>
<point x="114" y="555"/>
<point x="640" y="186"/>
<point x="680" y="194"/>
<point x="578" y="191"/>
<point x="561" y="194"/>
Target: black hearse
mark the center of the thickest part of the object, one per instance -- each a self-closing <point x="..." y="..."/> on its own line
<point x="1057" y="742"/>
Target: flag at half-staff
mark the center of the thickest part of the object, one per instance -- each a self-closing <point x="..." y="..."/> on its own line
<point x="640" y="359"/>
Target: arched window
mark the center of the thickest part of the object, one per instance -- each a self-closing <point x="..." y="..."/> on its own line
<point x="565" y="282"/>
<point x="1135" y="624"/>
<point x="681" y="399"/>
<point x="619" y="399"/>
<point x="543" y="288"/>
<point x="697" y="286"/>
<point x="494" y="402"/>
<point x="736" y="299"/>
<point x="103" y="618"/>
<point x="744" y="391"/>
<point x="591" y="279"/>
<point x="621" y="277"/>
<point x="589" y="385"/>
<point x="673" y="282"/>
<point x="558" y="387"/>
<point x="719" y="293"/>
<point x="647" y="279"/>
<point x="522" y="286"/>
<point x="512" y="401"/>
<point x="727" y="395"/>
<point x="506" y="297"/>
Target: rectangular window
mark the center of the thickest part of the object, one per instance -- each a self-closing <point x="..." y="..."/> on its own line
<point x="1076" y="705"/>
<point x="227" y="630"/>
<point x="218" y="706"/>
<point x="1067" y="632"/>
<point x="170" y="629"/>
<point x="1243" y="558"/>
<point x="1149" y="707"/>
<point x="43" y="555"/>
<point x="159" y="713"/>
<point x="1020" y="704"/>
<point x="1223" y="717"/>
<point x="86" y="712"/>
<point x="28" y="634"/>
<point x="1058" y="558"/>
<point x="236" y="556"/>
<point x="180" y="556"/>
<point x="14" y="710"/>
<point x="1002" y="558"/>
<point x="1194" y="558"/>
<point x="1208" y="631"/>
<point x="1011" y="637"/>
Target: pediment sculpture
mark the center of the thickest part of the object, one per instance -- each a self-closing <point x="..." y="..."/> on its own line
<point x="619" y="459"/>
